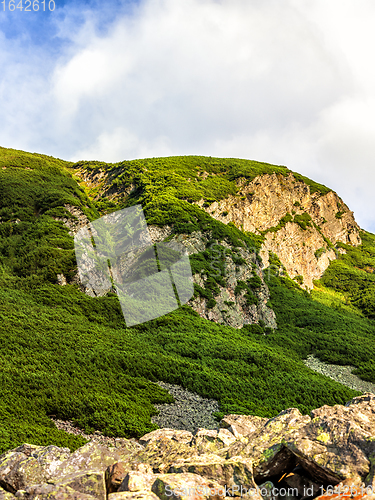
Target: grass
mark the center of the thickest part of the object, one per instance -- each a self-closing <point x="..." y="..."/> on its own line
<point x="71" y="356"/>
<point x="190" y="178"/>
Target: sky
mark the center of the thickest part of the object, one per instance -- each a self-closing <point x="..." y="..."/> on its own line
<point x="289" y="82"/>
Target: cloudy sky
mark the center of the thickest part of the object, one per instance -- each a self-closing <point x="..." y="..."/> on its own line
<point x="290" y="82"/>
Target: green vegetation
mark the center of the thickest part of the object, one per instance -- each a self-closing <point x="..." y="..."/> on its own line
<point x="189" y="178"/>
<point x="324" y="325"/>
<point x="303" y="220"/>
<point x="314" y="186"/>
<point x="299" y="279"/>
<point x="353" y="274"/>
<point x="318" y="253"/>
<point x="71" y="356"/>
<point x="33" y="190"/>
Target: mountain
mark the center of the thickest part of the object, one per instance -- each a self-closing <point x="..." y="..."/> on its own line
<point x="281" y="271"/>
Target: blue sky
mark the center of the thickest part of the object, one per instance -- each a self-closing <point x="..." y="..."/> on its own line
<point x="281" y="81"/>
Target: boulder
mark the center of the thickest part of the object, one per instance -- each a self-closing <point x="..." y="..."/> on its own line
<point x="339" y="441"/>
<point x="162" y="452"/>
<point x="52" y="492"/>
<point x="187" y="486"/>
<point x="116" y="473"/>
<point x="210" y="441"/>
<point x="289" y="456"/>
<point x="130" y="495"/>
<point x="242" y="425"/>
<point x="30" y="464"/>
<point x="174" y="434"/>
<point x="96" y="456"/>
<point x="137" y="481"/>
<point x="233" y="473"/>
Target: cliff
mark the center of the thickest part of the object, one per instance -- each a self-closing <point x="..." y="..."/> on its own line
<point x="299" y="226"/>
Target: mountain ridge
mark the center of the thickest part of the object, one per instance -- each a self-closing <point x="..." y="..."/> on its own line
<point x="70" y="356"/>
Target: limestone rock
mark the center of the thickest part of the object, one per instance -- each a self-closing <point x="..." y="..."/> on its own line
<point x="95" y="456"/>
<point x="82" y="485"/>
<point x="30" y="464"/>
<point x="210" y="441"/>
<point x="231" y="308"/>
<point x="186" y="486"/>
<point x="75" y="223"/>
<point x="233" y="472"/>
<point x="339" y="439"/>
<point x="176" y="435"/>
<point x="161" y="452"/>
<point x="263" y="202"/>
<point x="133" y="495"/>
<point x="242" y="425"/>
<point x="137" y="481"/>
<point x="116" y="473"/>
<point x="302" y="456"/>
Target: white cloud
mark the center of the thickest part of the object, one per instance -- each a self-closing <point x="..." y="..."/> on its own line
<point x="110" y="146"/>
<point x="281" y="81"/>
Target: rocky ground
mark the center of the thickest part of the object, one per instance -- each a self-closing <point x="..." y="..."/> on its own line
<point x="189" y="412"/>
<point x="326" y="455"/>
<point x="342" y="374"/>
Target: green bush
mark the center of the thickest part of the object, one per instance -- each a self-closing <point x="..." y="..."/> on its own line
<point x="303" y="220"/>
<point x="318" y="253"/>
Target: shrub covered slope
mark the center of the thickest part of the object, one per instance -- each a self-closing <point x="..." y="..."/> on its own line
<point x="65" y="354"/>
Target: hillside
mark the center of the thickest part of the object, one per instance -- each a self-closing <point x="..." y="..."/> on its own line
<point x="281" y="271"/>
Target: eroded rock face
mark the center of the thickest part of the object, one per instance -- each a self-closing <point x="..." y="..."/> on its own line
<point x="232" y="308"/>
<point x="75" y="223"/>
<point x="310" y="454"/>
<point x="262" y="203"/>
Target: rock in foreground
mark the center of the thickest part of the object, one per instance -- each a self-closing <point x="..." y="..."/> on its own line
<point x="329" y="454"/>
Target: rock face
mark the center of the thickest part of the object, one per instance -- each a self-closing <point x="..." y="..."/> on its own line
<point x="231" y="305"/>
<point x="262" y="203"/>
<point x="288" y="456"/>
<point x="299" y="226"/>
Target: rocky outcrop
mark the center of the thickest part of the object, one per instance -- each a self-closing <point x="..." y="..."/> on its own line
<point x="77" y="220"/>
<point x="231" y="305"/>
<point x="288" y="456"/>
<point x="261" y="204"/>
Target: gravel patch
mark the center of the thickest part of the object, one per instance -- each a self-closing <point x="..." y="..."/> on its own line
<point x="189" y="412"/>
<point x="68" y="426"/>
<point x="342" y="374"/>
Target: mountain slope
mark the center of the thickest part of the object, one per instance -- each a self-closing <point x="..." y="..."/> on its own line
<point x="68" y="354"/>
